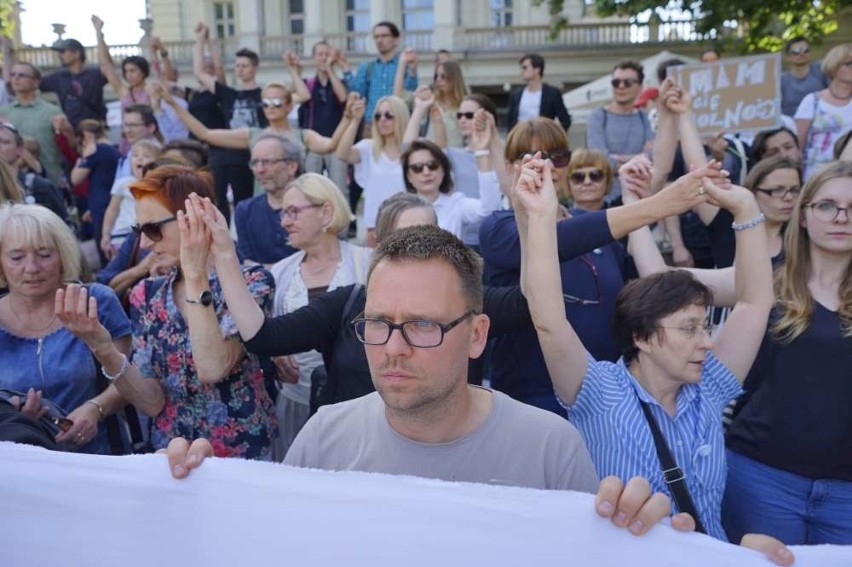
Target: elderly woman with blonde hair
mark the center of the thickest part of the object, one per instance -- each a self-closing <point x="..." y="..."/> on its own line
<point x="41" y="358"/>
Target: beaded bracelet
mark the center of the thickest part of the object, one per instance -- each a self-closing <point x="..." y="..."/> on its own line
<point x="124" y="365"/>
<point x="749" y="224"/>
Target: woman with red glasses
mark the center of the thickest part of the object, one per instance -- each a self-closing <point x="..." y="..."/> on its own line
<point x="189" y="370"/>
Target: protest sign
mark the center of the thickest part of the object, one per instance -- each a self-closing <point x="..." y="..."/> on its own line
<point x="740" y="94"/>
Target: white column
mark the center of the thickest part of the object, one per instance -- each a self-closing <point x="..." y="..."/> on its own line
<point x="250" y="14"/>
<point x="443" y="35"/>
<point x="314" y="28"/>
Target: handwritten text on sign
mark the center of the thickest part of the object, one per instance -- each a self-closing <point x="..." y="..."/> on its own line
<point x="734" y="95"/>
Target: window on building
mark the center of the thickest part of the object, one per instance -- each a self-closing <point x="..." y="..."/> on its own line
<point x="297" y="17"/>
<point x="418" y="15"/>
<point x="501" y="13"/>
<point x="358" y="24"/>
<point x="224" y="25"/>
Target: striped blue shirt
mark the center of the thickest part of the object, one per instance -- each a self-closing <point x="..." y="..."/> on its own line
<point x="378" y="84"/>
<point x="608" y="414"/>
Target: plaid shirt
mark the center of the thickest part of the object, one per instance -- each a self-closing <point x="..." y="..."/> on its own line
<point x="378" y="84"/>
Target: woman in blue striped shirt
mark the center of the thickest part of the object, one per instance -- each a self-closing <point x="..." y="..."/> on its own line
<point x="668" y="360"/>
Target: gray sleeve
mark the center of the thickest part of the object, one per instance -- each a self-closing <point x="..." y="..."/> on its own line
<point x="595" y="135"/>
<point x="304" y="452"/>
<point x="577" y="472"/>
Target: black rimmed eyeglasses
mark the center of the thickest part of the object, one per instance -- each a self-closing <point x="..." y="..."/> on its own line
<point x="419" y="333"/>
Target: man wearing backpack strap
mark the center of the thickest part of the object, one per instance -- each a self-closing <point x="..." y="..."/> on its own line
<point x="322" y="113"/>
<point x="374" y="79"/>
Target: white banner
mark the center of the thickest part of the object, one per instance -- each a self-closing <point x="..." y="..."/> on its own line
<point x="61" y="509"/>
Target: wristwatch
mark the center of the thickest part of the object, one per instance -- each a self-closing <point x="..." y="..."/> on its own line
<point x="205" y="298"/>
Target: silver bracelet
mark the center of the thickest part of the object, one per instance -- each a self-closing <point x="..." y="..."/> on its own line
<point x="124" y="366"/>
<point x="482" y="153"/>
<point x="749" y="224"/>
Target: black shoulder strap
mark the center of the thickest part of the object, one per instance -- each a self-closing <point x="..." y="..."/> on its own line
<point x="672" y="474"/>
<point x="353" y="295"/>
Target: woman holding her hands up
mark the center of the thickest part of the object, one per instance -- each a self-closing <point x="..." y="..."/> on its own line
<point x="189" y="370"/>
<point x="672" y="377"/>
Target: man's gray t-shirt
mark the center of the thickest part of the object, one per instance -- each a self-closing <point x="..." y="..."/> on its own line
<point x="793" y="90"/>
<point x="518" y="445"/>
<point x="619" y="134"/>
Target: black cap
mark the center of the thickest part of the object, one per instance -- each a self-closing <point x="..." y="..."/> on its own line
<point x="71" y="44"/>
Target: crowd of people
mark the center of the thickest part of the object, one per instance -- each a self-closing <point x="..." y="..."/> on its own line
<point x="548" y="336"/>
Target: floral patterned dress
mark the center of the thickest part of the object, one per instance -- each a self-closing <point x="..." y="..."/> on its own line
<point x="236" y="414"/>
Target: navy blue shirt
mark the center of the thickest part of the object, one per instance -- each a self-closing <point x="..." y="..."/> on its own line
<point x="323" y="112"/>
<point x="260" y="236"/>
<point x="590" y="261"/>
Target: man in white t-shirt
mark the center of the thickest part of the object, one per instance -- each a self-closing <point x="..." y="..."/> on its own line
<point x="536" y="98"/>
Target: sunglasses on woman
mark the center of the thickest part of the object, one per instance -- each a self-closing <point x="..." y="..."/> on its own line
<point x="593" y="175"/>
<point x="418" y="167"/>
<point x="152" y="230"/>
<point x="560" y="158"/>
<point x="468" y="115"/>
<point x="386" y="115"/>
<point x="273" y="102"/>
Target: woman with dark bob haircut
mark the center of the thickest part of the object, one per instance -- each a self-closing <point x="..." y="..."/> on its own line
<point x="671" y="374"/>
<point x="189" y="370"/>
<point x="427" y="173"/>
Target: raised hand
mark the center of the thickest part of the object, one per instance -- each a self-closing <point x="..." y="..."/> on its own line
<point x="635" y="176"/>
<point x="359" y="107"/>
<point x="98" y="24"/>
<point x="533" y="193"/>
<point x="201" y="31"/>
<point x="483" y="130"/>
<point x="292" y="60"/>
<point x="738" y="200"/>
<point x="678" y="100"/>
<point x="156" y="43"/>
<point x="221" y="243"/>
<point x="688" y="191"/>
<point x="409" y="56"/>
<point x="195" y="242"/>
<point x="423" y="97"/>
<point x="79" y="313"/>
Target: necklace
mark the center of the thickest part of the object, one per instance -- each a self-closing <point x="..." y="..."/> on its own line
<point x="38" y="331"/>
<point x="320" y="270"/>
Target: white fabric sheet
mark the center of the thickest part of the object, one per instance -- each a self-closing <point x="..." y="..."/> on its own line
<point x="66" y="509"/>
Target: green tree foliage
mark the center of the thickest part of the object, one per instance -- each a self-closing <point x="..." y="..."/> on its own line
<point x="7" y="26"/>
<point x="744" y="25"/>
